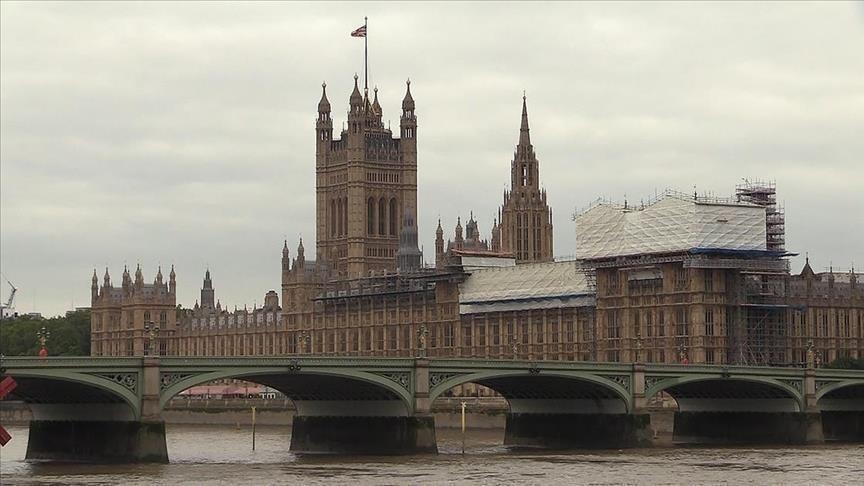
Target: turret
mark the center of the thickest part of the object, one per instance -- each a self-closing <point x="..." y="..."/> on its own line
<point x="355" y="103"/>
<point x="94" y="287"/>
<point x="408" y="258"/>
<point x="439" y="245"/>
<point x="375" y="115"/>
<point x="524" y="168"/>
<point x="408" y="120"/>
<point x="139" y="277"/>
<point x="471" y="231"/>
<point x="106" y="281"/>
<point x="496" y="236"/>
<point x="286" y="259"/>
<point x="324" y="124"/>
<point x="158" y="280"/>
<point x="458" y="233"/>
<point x="300" y="261"/>
<point x="127" y="280"/>
<point x="208" y="294"/>
<point x="172" y="281"/>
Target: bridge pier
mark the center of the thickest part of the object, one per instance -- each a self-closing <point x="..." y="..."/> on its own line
<point x="363" y="435"/>
<point x="101" y="432"/>
<point x="843" y="425"/>
<point x="719" y="427"/>
<point x="96" y="441"/>
<point x="577" y="431"/>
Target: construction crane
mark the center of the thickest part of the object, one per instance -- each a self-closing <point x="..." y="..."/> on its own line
<point x="6" y="308"/>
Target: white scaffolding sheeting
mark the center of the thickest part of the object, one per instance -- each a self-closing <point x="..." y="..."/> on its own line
<point x="559" y="284"/>
<point x="672" y="224"/>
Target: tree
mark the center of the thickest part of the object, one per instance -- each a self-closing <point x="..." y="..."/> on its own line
<point x="846" y="363"/>
<point x="70" y="335"/>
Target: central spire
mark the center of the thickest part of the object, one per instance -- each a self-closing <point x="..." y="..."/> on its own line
<point x="524" y="136"/>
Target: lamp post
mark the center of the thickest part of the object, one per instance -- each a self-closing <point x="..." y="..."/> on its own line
<point x="42" y="335"/>
<point x="682" y="354"/>
<point x="639" y="349"/>
<point x="515" y="347"/>
<point x="422" y="332"/>
<point x="811" y="355"/>
<point x="303" y="339"/>
<point x="151" y="330"/>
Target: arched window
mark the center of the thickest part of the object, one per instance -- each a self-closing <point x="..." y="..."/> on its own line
<point x="394" y="217"/>
<point x="370" y="216"/>
<point x="345" y="215"/>
<point x="332" y="217"/>
<point x="340" y="230"/>
<point x="382" y="216"/>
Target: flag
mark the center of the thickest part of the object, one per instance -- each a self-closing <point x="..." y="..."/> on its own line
<point x="359" y="32"/>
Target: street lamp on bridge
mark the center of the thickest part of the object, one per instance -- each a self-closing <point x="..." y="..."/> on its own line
<point x="151" y="330"/>
<point x="422" y="332"/>
<point x="42" y="335"/>
<point x="303" y="340"/>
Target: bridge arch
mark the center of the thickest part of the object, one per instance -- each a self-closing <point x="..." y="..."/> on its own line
<point x="297" y="385"/>
<point x="61" y="387"/>
<point x="844" y="387"/>
<point x="549" y="384"/>
<point x="695" y="393"/>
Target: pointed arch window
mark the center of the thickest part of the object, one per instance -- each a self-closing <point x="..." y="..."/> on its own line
<point x="339" y="215"/>
<point x="345" y="215"/>
<point x="394" y="217"/>
<point x="382" y="216"/>
<point x="332" y="217"/>
<point x="370" y="216"/>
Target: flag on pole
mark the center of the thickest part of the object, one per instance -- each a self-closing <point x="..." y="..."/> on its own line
<point x="359" y="32"/>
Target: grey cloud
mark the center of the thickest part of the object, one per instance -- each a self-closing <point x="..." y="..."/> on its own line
<point x="183" y="133"/>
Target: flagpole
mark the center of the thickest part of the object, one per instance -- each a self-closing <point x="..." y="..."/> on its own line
<point x="366" y="55"/>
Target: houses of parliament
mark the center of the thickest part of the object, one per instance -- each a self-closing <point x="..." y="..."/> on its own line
<point x="680" y="278"/>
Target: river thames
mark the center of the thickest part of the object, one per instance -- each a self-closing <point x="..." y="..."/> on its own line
<point x="223" y="455"/>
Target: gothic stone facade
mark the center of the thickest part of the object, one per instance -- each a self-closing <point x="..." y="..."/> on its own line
<point x="354" y="299"/>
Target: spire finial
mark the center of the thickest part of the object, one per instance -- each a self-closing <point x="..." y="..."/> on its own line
<point x="524" y="134"/>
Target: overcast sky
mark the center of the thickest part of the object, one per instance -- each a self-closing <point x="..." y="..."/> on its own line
<point x="183" y="134"/>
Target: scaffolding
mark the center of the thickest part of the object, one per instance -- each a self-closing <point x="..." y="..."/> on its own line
<point x="756" y="319"/>
<point x="765" y="194"/>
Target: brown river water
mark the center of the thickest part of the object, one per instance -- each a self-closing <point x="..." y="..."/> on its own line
<point x="217" y="454"/>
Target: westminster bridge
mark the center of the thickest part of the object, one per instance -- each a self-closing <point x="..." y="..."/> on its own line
<point x="109" y="409"/>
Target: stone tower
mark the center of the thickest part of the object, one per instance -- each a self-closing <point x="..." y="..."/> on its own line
<point x="365" y="181"/>
<point x="408" y="258"/>
<point x="208" y="294"/>
<point x="526" y="220"/>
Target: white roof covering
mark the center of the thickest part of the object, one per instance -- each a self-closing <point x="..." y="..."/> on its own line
<point x="673" y="224"/>
<point x="528" y="286"/>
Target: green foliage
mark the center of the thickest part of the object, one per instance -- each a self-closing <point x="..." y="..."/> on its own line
<point x="70" y="335"/>
<point x="847" y="364"/>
